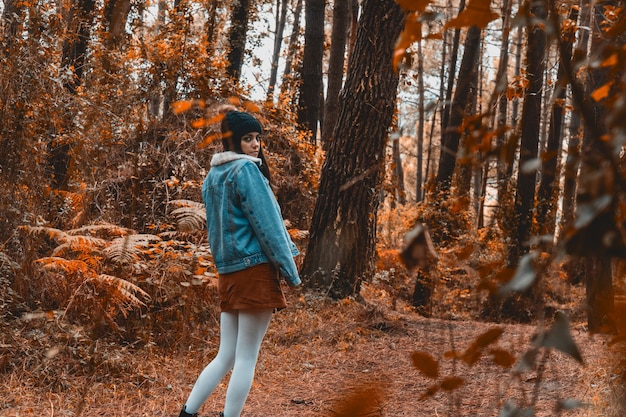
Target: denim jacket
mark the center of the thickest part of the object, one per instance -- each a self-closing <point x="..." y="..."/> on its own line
<point x="244" y="221"/>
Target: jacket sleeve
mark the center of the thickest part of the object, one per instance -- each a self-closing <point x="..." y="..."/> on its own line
<point x="261" y="208"/>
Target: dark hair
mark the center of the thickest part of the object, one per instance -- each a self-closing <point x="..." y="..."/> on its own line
<point x="234" y="125"/>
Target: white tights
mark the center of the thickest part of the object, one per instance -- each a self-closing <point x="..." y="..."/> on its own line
<point x="241" y="334"/>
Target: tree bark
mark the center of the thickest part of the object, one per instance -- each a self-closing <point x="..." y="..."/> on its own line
<point x="293" y="46"/>
<point x="73" y="58"/>
<point x="311" y="88"/>
<point x="529" y="147"/>
<point x="237" y="37"/>
<point x="281" y="16"/>
<point x="336" y="61"/>
<point x="452" y="136"/>
<point x="342" y="241"/>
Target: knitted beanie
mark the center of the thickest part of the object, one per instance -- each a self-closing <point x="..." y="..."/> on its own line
<point x="240" y="123"/>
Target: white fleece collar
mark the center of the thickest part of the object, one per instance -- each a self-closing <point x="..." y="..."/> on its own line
<point x="229" y="156"/>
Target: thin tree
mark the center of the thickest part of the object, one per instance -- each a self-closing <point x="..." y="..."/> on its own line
<point x="419" y="134"/>
<point x="547" y="194"/>
<point x="529" y="146"/>
<point x="341" y="249"/>
<point x="336" y="63"/>
<point x="311" y="89"/>
<point x="293" y="46"/>
<point x="281" y="17"/>
<point x="462" y="95"/>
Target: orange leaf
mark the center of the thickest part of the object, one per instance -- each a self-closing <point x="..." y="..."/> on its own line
<point x="602" y="92"/>
<point x="452" y="383"/>
<point x="412" y="32"/>
<point x="199" y="123"/>
<point x="181" y="106"/>
<point x="426" y="364"/>
<point x="209" y="139"/>
<point x="477" y="13"/>
<point x="414" y="5"/>
<point x="502" y="358"/>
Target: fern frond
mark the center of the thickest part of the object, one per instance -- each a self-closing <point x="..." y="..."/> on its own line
<point x="186" y="203"/>
<point x="297" y="234"/>
<point x="108" y="230"/>
<point x="67" y="266"/>
<point x="127" y="249"/>
<point x="124" y="294"/>
<point x="190" y="218"/>
<point x="80" y="241"/>
<point x="51" y="232"/>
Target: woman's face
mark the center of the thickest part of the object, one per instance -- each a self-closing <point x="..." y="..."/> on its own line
<point x="251" y="144"/>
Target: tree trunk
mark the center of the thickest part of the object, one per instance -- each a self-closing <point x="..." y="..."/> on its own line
<point x="281" y="16"/>
<point x="77" y="40"/>
<point x="311" y="88"/>
<point x="211" y="25"/>
<point x="116" y="15"/>
<point x="502" y="82"/>
<point x="341" y="24"/>
<point x="451" y="137"/>
<point x="237" y="37"/>
<point x="595" y="182"/>
<point x="293" y="46"/>
<point x="447" y="103"/>
<point x="419" y="131"/>
<point x="398" y="173"/>
<point x="572" y="162"/>
<point x="529" y="147"/>
<point x="343" y="229"/>
<point x="74" y="52"/>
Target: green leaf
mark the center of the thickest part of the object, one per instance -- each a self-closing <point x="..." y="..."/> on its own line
<point x="524" y="277"/>
<point x="560" y="338"/>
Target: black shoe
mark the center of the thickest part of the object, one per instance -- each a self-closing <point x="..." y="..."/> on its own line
<point x="184" y="413"/>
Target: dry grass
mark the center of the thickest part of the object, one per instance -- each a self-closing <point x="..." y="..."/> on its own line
<point x="320" y="358"/>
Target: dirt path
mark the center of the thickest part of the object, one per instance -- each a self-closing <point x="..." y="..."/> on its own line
<point x="318" y="359"/>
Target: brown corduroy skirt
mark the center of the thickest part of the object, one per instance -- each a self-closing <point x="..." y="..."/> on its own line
<point x="252" y="288"/>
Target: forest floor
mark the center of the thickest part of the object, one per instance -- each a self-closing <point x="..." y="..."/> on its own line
<point x="320" y="358"/>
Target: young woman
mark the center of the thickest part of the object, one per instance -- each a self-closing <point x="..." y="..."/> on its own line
<point x="251" y="249"/>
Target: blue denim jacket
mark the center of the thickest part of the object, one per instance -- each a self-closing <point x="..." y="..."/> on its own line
<point x="244" y="221"/>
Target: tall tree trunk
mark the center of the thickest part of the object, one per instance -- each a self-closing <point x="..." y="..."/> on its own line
<point x="529" y="147"/>
<point x="281" y="17"/>
<point x="342" y="241"/>
<point x="211" y="25"/>
<point x="74" y="53"/>
<point x="293" y="45"/>
<point x="419" y="131"/>
<point x="76" y="43"/>
<point x="447" y="104"/>
<point x="237" y="37"/>
<point x="398" y="173"/>
<point x="506" y="158"/>
<point x="311" y="88"/>
<point x="547" y="195"/>
<point x="336" y="61"/>
<point x="596" y="182"/>
<point x="572" y="162"/>
<point x="116" y="16"/>
<point x="451" y="137"/>
<point x="181" y="20"/>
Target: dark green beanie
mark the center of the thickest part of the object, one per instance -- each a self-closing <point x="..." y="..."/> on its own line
<point x="240" y="123"/>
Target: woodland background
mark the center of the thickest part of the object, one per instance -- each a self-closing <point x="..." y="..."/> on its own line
<point x="438" y="160"/>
